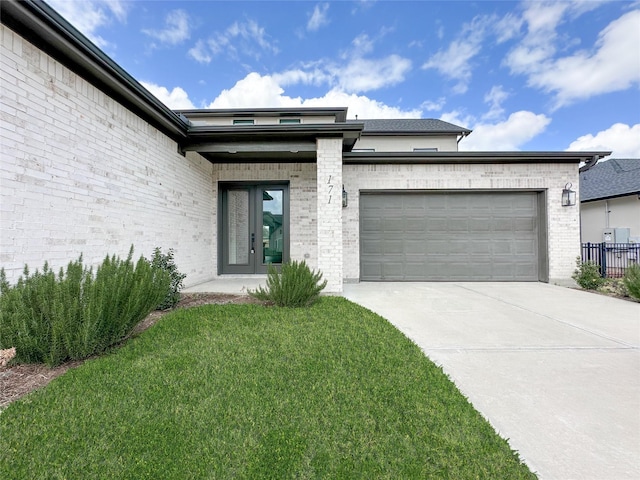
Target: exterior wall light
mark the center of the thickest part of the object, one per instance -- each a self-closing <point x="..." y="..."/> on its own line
<point x="568" y="196"/>
<point x="345" y="199"/>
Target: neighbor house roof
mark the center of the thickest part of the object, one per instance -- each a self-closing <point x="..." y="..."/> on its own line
<point x="610" y="179"/>
<point x="410" y="126"/>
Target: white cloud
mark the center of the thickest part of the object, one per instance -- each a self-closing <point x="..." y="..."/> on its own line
<point x="354" y="74"/>
<point x="621" y="139"/>
<point x="176" y="99"/>
<point x="241" y="38"/>
<point x="612" y="64"/>
<point x="454" y="62"/>
<point x="200" y="53"/>
<point x="255" y="91"/>
<point x="319" y="17"/>
<point x="494" y="98"/>
<point x="361" y="75"/>
<point x="507" y="135"/>
<point x="90" y="15"/>
<point x="434" y="105"/>
<point x="176" y="28"/>
<point x="508" y="27"/>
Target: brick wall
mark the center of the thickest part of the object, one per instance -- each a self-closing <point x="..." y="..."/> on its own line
<point x="562" y="222"/>
<point x="82" y="174"/>
<point x="329" y="192"/>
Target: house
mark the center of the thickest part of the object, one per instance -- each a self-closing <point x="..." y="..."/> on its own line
<point x="93" y="163"/>
<point x="610" y="202"/>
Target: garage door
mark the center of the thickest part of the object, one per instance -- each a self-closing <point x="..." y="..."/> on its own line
<point x="479" y="236"/>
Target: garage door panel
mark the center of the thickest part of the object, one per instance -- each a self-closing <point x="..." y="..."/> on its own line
<point x="393" y="247"/>
<point x="471" y="236"/>
<point x="525" y="224"/>
<point x="480" y="224"/>
<point x="502" y="224"/>
<point x="415" y="224"/>
<point x="393" y="224"/>
<point x="525" y="247"/>
<point x="371" y="247"/>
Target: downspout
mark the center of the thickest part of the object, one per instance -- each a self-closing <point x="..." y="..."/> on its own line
<point x="464" y="134"/>
<point x="590" y="163"/>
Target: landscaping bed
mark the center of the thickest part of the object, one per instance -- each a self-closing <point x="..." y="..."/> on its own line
<point x="18" y="380"/>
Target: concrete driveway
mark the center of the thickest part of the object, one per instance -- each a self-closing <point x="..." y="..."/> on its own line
<point x="555" y="370"/>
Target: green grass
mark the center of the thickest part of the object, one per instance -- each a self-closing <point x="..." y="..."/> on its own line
<point x="245" y="391"/>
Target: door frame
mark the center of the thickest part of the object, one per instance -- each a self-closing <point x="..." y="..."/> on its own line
<point x="255" y="265"/>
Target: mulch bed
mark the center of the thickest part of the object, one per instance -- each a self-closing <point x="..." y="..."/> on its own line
<point x="18" y="380"/>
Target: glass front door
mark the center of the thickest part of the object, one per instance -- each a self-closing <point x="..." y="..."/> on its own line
<point x="254" y="230"/>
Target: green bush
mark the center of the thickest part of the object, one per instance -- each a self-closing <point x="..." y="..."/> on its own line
<point x="587" y="275"/>
<point x="631" y="281"/>
<point x="295" y="286"/>
<point x="53" y="318"/>
<point x="166" y="263"/>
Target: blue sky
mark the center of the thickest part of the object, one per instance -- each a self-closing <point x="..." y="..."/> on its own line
<point x="528" y="75"/>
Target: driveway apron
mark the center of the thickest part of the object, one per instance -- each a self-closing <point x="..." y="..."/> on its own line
<point x="555" y="370"/>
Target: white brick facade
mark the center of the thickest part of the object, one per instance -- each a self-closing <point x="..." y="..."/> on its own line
<point x="82" y="174"/>
<point x="329" y="194"/>
<point x="562" y="223"/>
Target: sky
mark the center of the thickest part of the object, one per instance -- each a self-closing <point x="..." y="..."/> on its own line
<point x="523" y="75"/>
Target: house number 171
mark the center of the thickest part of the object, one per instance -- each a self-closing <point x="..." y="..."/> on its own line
<point x="330" y="185"/>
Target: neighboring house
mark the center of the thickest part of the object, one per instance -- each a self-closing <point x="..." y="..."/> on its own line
<point x="610" y="202"/>
<point x="93" y="163"/>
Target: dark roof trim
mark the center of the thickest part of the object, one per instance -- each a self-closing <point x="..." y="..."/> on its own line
<point x="352" y="129"/>
<point x="340" y="113"/>
<point x="46" y="29"/>
<point x="365" y="158"/>
<point x="611" y="197"/>
<point x="208" y="134"/>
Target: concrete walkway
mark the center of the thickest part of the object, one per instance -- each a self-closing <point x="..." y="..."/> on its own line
<point x="237" y="285"/>
<point x="556" y="371"/>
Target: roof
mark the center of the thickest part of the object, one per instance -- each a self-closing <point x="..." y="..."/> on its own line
<point x="409" y="158"/>
<point x="340" y="113"/>
<point x="44" y="27"/>
<point x="610" y="179"/>
<point x="410" y="126"/>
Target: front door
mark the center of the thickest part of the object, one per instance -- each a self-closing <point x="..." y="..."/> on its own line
<point x="255" y="227"/>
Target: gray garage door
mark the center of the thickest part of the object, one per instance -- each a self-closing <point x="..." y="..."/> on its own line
<point x="478" y="236"/>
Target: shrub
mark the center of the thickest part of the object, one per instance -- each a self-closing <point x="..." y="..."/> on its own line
<point x="587" y="275"/>
<point x="53" y="318"/>
<point x="615" y="287"/>
<point x="295" y="286"/>
<point x="631" y="281"/>
<point x="165" y="262"/>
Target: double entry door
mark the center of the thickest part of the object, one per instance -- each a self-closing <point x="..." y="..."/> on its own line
<point x="254" y="227"/>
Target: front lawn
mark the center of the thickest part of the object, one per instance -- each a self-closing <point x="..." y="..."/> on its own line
<point x="246" y="391"/>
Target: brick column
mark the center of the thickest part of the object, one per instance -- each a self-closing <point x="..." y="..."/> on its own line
<point x="329" y="193"/>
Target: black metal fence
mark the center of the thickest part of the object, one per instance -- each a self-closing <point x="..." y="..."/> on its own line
<point x="613" y="258"/>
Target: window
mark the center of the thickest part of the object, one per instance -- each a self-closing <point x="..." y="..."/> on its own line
<point x="425" y="149"/>
<point x="243" y="122"/>
<point x="363" y="150"/>
<point x="289" y="121"/>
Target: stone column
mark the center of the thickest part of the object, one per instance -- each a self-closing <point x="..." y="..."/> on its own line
<point x="329" y="193"/>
